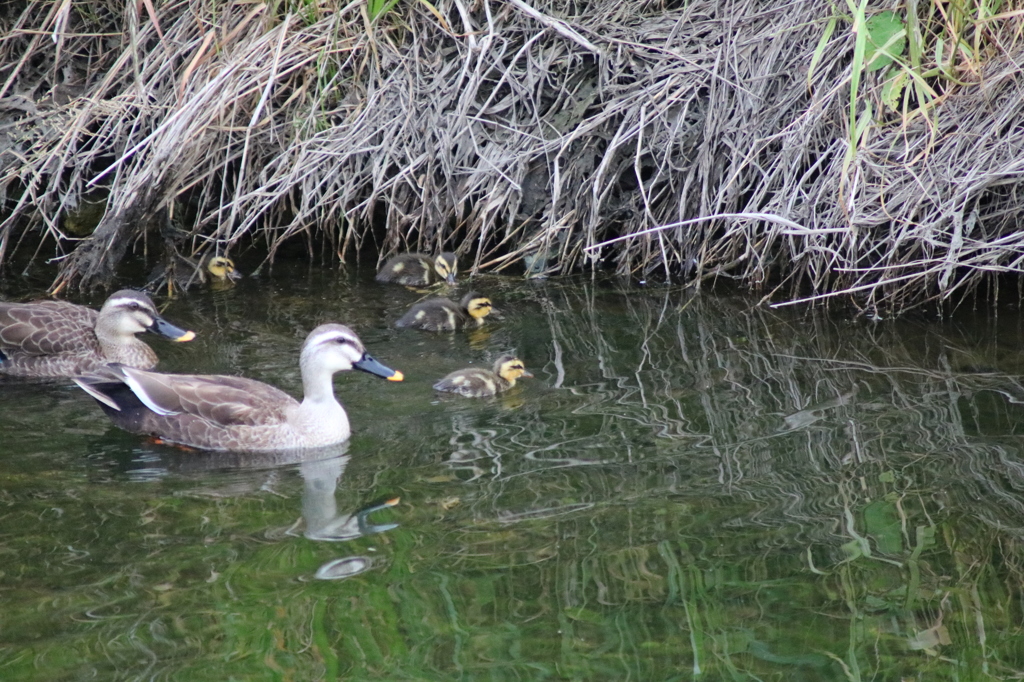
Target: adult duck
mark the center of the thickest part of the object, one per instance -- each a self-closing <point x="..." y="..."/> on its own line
<point x="218" y="412"/>
<point x="61" y="339"/>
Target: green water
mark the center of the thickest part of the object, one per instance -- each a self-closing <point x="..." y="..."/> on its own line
<point x="690" y="488"/>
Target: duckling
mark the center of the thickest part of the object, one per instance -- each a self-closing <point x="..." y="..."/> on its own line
<point x="182" y="272"/>
<point x="418" y="269"/>
<point x="445" y="315"/>
<point x="220" y="269"/>
<point x="61" y="339"/>
<point x="216" y="412"/>
<point x="475" y="382"/>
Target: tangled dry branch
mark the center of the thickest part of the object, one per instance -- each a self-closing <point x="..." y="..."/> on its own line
<point x="516" y="132"/>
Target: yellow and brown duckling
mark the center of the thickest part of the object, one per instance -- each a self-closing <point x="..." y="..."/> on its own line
<point x="180" y="272"/>
<point x="445" y="315"/>
<point x="61" y="339"/>
<point x="419" y="269"/>
<point x="476" y="382"/>
<point x="218" y="269"/>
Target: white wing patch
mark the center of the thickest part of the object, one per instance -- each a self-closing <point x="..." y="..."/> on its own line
<point x="140" y="393"/>
<point x="98" y="395"/>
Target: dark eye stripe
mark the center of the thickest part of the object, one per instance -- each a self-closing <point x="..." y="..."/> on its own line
<point x="341" y="341"/>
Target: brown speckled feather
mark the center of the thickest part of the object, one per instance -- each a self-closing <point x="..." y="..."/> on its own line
<point x="224" y="400"/>
<point x="49" y="339"/>
<point x="47" y="327"/>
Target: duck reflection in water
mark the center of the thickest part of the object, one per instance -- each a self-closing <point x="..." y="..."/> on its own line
<point x="320" y="507"/>
<point x="321" y="469"/>
<point x="325" y="524"/>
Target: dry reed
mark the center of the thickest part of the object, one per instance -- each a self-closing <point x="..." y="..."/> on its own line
<point x="717" y="136"/>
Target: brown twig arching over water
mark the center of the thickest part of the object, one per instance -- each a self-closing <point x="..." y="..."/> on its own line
<point x="781" y="147"/>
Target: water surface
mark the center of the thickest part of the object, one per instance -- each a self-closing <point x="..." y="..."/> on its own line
<point x="690" y="488"/>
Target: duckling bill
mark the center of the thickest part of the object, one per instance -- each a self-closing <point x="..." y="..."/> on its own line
<point x="61" y="339"/>
<point x="444" y="315"/>
<point x="217" y="412"/>
<point x="419" y="269"/>
<point x="476" y="382"/>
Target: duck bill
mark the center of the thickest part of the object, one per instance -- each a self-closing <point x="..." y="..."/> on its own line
<point x="234" y="275"/>
<point x="450" y="278"/>
<point x="167" y="330"/>
<point x="368" y="364"/>
<point x="527" y="373"/>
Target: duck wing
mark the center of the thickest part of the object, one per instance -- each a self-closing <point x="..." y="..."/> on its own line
<point x="221" y="400"/>
<point x="47" y="327"/>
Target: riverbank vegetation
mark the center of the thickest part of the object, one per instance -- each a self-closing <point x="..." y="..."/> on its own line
<point x="806" y="150"/>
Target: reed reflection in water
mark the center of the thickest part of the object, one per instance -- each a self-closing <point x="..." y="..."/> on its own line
<point x="690" y="486"/>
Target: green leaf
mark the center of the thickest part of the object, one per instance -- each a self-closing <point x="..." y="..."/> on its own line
<point x="376" y="8"/>
<point x="886" y="40"/>
<point x="892" y="93"/>
<point x="583" y="615"/>
<point x="882" y="522"/>
<point x="826" y="36"/>
<point x="853" y="550"/>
